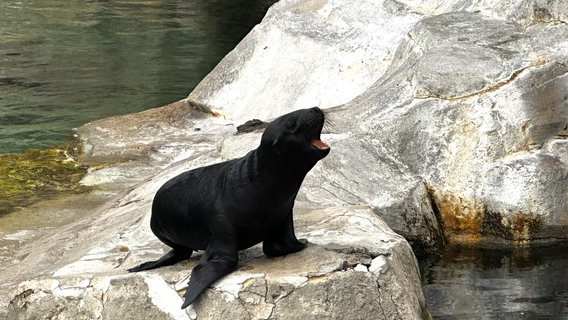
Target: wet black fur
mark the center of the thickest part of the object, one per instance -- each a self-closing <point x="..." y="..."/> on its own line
<point x="236" y="204"/>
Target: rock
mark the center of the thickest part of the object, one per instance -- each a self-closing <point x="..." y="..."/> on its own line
<point x="523" y="12"/>
<point x="125" y="150"/>
<point x="480" y="145"/>
<point x="354" y="266"/>
<point x="460" y="95"/>
<point x="304" y="54"/>
<point x="532" y="212"/>
<point x="363" y="174"/>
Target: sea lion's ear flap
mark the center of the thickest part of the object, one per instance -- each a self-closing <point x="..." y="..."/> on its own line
<point x="276" y="145"/>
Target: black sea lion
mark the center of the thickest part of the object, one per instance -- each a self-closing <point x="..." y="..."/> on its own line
<point x="236" y="204"/>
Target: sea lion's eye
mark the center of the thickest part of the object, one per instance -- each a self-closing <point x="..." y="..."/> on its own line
<point x="291" y="124"/>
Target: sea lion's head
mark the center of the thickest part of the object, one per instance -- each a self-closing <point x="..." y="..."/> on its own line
<point x="294" y="138"/>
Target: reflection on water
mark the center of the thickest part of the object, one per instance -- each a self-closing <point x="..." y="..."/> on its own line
<point x="64" y="63"/>
<point x="514" y="283"/>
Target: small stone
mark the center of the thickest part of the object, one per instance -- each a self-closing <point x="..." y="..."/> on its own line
<point x="361" y="268"/>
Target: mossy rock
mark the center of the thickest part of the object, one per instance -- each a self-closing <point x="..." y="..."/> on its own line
<point x="37" y="174"/>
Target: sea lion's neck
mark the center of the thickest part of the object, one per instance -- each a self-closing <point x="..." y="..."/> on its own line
<point x="265" y="159"/>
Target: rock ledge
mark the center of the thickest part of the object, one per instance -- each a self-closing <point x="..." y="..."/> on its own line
<point x="353" y="267"/>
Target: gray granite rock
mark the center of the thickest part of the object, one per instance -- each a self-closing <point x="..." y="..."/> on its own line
<point x="481" y="139"/>
<point x="465" y="92"/>
<point x="353" y="267"/>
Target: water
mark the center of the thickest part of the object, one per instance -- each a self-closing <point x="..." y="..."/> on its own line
<point x="65" y="63"/>
<point x="514" y="283"/>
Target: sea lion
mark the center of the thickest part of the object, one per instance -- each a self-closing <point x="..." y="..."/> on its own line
<point x="233" y="205"/>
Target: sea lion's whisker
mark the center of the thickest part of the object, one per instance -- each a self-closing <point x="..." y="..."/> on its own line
<point x="329" y="126"/>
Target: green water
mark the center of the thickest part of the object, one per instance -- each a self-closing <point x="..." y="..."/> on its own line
<point x="65" y="63"/>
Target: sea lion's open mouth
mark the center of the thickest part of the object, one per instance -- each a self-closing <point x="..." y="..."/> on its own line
<point x="316" y="141"/>
<point x="319" y="144"/>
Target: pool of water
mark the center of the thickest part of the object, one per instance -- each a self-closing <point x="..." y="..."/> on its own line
<point x="512" y="283"/>
<point x="65" y="63"/>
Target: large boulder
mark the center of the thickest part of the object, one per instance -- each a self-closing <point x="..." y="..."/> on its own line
<point x="303" y="54"/>
<point x="454" y="110"/>
<point x="354" y="267"/>
<point x="476" y="108"/>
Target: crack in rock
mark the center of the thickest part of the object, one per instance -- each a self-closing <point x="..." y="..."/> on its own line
<point x="516" y="74"/>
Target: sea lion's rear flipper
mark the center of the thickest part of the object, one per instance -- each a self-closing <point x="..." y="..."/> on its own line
<point x="219" y="259"/>
<point x="172" y="257"/>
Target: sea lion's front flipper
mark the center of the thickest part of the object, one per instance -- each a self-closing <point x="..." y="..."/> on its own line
<point x="172" y="257"/>
<point x="219" y="259"/>
<point x="282" y="240"/>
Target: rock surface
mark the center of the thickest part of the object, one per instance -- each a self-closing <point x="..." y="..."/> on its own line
<point x="479" y="135"/>
<point x="353" y="266"/>
<point x="79" y="271"/>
